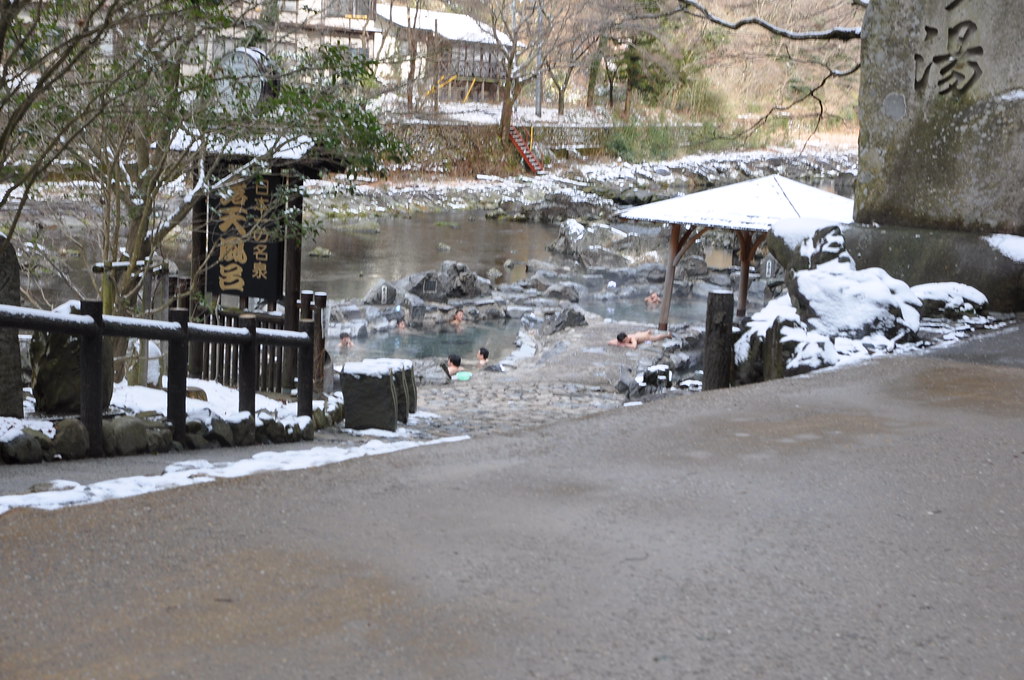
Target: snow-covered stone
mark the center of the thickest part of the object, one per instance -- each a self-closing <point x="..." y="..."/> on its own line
<point x="836" y="300"/>
<point x="950" y="299"/>
<point x="777" y="343"/>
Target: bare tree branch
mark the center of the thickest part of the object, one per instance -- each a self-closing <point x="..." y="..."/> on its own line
<point x="696" y="9"/>
<point x="811" y="94"/>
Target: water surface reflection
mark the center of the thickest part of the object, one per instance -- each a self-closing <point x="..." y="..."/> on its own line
<point x="497" y="336"/>
<point x="390" y="248"/>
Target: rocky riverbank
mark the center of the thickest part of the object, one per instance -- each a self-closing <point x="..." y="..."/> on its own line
<point x="586" y="192"/>
<point x="571" y="374"/>
<point x="567" y="368"/>
<point x="595" y="256"/>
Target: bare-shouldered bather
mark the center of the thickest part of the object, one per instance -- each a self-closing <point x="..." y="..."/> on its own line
<point x="634" y="339"/>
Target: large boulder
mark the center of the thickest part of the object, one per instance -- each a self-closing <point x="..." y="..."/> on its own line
<point x="807" y="242"/>
<point x="382" y="293"/>
<point x="828" y="292"/>
<point x="950" y="300"/>
<point x="568" y="316"/>
<point x="601" y="246"/>
<point x="55" y="373"/>
<point x="71" y="439"/>
<point x="837" y="300"/>
<point x="125" y="436"/>
<point x="28" y="447"/>
<point x="574" y="237"/>
<point x="453" y="280"/>
<point x="775" y="342"/>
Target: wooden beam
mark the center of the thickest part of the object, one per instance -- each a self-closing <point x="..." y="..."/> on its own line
<point x="670" y="275"/>
<point x="679" y="243"/>
<point x="748" y="246"/>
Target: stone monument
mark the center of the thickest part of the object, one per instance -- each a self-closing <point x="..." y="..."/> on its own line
<point x="12" y="395"/>
<point x="942" y="115"/>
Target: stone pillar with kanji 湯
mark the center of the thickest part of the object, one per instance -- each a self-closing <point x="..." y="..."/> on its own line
<point x="941" y="113"/>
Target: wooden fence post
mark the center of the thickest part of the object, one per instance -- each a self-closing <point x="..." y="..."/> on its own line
<point x="177" y="374"/>
<point x="248" y="355"/>
<point x="90" y="371"/>
<point x="305" y="371"/>
<point x="306" y="305"/>
<point x="718" y="349"/>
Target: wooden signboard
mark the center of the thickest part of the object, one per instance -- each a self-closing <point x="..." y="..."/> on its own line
<point x="245" y="246"/>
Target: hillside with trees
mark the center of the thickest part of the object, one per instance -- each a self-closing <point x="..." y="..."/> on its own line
<point x="666" y="58"/>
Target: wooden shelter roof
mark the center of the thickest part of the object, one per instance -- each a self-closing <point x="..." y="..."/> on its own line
<point x="753" y="205"/>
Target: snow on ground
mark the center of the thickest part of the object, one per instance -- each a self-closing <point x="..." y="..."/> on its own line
<point x="484" y="113"/>
<point x="221" y="401"/>
<point x="65" y="493"/>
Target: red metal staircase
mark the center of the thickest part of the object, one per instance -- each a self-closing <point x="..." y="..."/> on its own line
<point x="532" y="162"/>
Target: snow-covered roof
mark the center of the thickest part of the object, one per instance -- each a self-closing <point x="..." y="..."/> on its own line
<point x="448" y="25"/>
<point x="754" y="205"/>
<point x="280" y="148"/>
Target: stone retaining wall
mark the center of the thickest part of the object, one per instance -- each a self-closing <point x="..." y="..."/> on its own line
<point x="127" y="435"/>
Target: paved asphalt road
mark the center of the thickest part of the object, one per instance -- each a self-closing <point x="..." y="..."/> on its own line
<point x="864" y="522"/>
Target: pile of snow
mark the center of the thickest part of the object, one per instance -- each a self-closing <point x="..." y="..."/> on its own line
<point x="842" y="301"/>
<point x="950" y="299"/>
<point x="1009" y="245"/>
<point x="220" y="401"/>
<point x="834" y="313"/>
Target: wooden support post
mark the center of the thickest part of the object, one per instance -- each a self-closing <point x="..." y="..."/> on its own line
<point x="718" y="347"/>
<point x="177" y="374"/>
<point x="247" y="365"/>
<point x="748" y="246"/>
<point x="292" y="274"/>
<point x="670" y="276"/>
<point x="90" y="370"/>
<point x="746" y="255"/>
<point x="140" y="374"/>
<point x="305" y="371"/>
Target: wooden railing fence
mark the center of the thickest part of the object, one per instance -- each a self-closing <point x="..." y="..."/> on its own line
<point x="246" y="340"/>
<point x="219" y="361"/>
